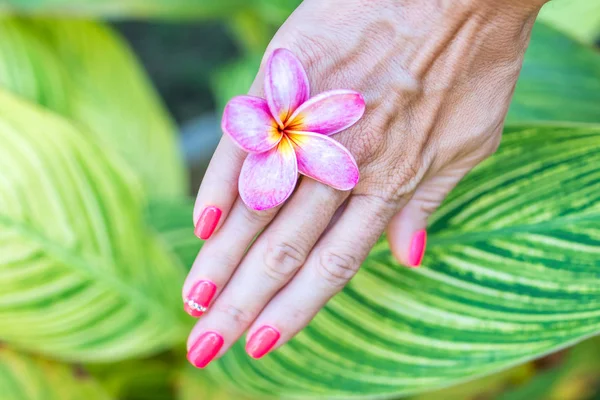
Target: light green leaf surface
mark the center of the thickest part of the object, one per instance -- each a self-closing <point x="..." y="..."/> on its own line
<point x="81" y="275"/>
<point x="141" y="379"/>
<point x="24" y="377"/>
<point x="194" y="384"/>
<point x="578" y="18"/>
<point x="560" y="80"/>
<point x="84" y="71"/>
<point x="124" y="8"/>
<point x="512" y="272"/>
<point x="172" y="219"/>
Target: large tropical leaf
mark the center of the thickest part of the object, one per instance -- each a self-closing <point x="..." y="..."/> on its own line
<point x="84" y="71"/>
<point x="194" y="384"/>
<point x="578" y="18"/>
<point x="24" y="377"/>
<point x="172" y="219"/>
<point x="512" y="272"/>
<point x="153" y="378"/>
<point x="560" y="80"/>
<point x="81" y="275"/>
<point x="125" y="8"/>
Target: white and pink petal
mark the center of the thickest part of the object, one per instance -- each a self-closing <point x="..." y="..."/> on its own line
<point x="286" y="84"/>
<point x="325" y="160"/>
<point x="268" y="179"/>
<point x="328" y="113"/>
<point x="248" y="122"/>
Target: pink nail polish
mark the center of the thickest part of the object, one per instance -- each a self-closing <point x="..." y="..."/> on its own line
<point x="207" y="222"/>
<point x="262" y="341"/>
<point x="417" y="248"/>
<point x="204" y="349"/>
<point x="198" y="299"/>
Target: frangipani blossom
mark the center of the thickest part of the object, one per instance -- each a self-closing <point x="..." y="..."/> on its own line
<point x="287" y="133"/>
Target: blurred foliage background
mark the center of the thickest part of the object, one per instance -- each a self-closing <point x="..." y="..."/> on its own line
<point x="72" y="89"/>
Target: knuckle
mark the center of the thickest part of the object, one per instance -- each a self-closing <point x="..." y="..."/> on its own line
<point x="392" y="184"/>
<point x="337" y="269"/>
<point x="429" y="205"/>
<point x="380" y="208"/>
<point x="407" y="177"/>
<point x="282" y="260"/>
<point x="238" y="316"/>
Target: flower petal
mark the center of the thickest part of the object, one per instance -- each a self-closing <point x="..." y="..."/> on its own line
<point x="328" y="113"/>
<point x="268" y="179"/>
<point x="286" y="84"/>
<point x="248" y="121"/>
<point x="325" y="160"/>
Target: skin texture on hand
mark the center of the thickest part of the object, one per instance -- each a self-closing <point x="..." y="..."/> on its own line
<point x="437" y="78"/>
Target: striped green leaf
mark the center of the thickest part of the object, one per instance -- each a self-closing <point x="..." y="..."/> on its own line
<point x="512" y="272"/>
<point x="172" y="219"/>
<point x="194" y="384"/>
<point x="81" y="275"/>
<point x="24" y="377"/>
<point x="84" y="71"/>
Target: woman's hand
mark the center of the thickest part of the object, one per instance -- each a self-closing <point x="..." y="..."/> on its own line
<point x="437" y="78"/>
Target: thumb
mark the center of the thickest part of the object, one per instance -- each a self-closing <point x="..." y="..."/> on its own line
<point x="406" y="231"/>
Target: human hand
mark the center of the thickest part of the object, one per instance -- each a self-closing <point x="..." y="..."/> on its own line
<point x="437" y="78"/>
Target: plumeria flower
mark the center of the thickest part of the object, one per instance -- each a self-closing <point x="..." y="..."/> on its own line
<point x="287" y="133"/>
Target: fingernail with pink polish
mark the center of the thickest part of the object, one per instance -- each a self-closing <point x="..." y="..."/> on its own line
<point x="204" y="349"/>
<point x="417" y="248"/>
<point x="198" y="299"/>
<point x="262" y="341"/>
<point x="207" y="222"/>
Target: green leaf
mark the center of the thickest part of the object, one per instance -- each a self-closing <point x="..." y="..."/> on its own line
<point x="511" y="273"/>
<point x="575" y="377"/>
<point x="81" y="275"/>
<point x="84" y="71"/>
<point x="235" y="79"/>
<point x="140" y="379"/>
<point x="195" y="384"/>
<point x="560" y="80"/>
<point x="488" y="387"/>
<point x="578" y="18"/>
<point x="172" y="219"/>
<point x="185" y="9"/>
<point x="275" y="11"/>
<point x="24" y="377"/>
